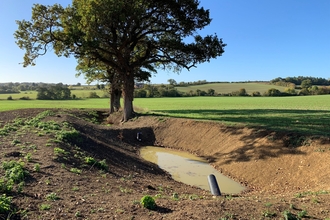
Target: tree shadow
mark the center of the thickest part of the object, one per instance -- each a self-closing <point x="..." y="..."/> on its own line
<point x="283" y="139"/>
<point x="118" y="146"/>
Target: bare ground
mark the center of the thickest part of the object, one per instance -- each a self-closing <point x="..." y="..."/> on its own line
<point x="283" y="172"/>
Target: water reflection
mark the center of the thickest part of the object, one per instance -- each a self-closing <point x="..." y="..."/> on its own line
<point x="188" y="168"/>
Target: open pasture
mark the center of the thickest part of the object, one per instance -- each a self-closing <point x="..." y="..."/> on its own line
<point x="305" y="114"/>
<point x="225" y="88"/>
<point x="84" y="93"/>
<point x="30" y="94"/>
<point x="79" y="93"/>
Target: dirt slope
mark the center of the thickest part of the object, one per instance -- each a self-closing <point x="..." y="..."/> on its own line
<point x="283" y="172"/>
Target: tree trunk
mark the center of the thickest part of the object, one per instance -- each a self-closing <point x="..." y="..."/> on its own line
<point x="128" y="92"/>
<point x="115" y="93"/>
<point x="115" y="99"/>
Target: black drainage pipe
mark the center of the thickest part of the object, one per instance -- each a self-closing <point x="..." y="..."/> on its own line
<point x="139" y="136"/>
<point x="214" y="187"/>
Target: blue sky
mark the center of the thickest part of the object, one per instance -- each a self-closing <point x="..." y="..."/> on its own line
<point x="265" y="39"/>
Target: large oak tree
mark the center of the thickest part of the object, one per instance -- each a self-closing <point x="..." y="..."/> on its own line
<point x="125" y="35"/>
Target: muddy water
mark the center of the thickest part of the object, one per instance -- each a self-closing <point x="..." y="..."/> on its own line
<point x="188" y="168"/>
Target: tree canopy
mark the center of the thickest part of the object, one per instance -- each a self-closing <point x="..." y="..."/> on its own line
<point x="129" y="37"/>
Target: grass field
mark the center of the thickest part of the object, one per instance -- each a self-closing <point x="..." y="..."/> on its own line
<point x="231" y="87"/>
<point x="80" y="93"/>
<point x="305" y="114"/>
<point x="84" y="91"/>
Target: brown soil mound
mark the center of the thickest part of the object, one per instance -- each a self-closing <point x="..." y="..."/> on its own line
<point x="285" y="174"/>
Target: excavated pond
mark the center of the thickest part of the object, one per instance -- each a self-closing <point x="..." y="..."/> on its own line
<point x="188" y="168"/>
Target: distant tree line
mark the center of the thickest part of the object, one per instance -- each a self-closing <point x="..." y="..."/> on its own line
<point x="202" y="82"/>
<point x="6" y="88"/>
<point x="156" y="91"/>
<point x="300" y="79"/>
<point x="54" y="92"/>
<point x="16" y="87"/>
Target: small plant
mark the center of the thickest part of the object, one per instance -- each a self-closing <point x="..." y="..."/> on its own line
<point x="90" y="160"/>
<point x="63" y="166"/>
<point x="315" y="200"/>
<point x="32" y="147"/>
<point x="47" y="181"/>
<point x="36" y="167"/>
<point x="15" y="142"/>
<point x="148" y="202"/>
<point x="6" y="185"/>
<point x="78" y="214"/>
<point x="292" y="206"/>
<point x="59" y="151"/>
<point x="44" y="207"/>
<point x="124" y="190"/>
<point x="103" y="164"/>
<point x="269" y="214"/>
<point x="175" y="196"/>
<point x="75" y="188"/>
<point x="14" y="171"/>
<point x="289" y="216"/>
<point x="120" y="211"/>
<point x="67" y="136"/>
<point x="193" y="197"/>
<point x="302" y="214"/>
<point x="75" y="170"/>
<point x="158" y="195"/>
<point x="52" y="197"/>
<point x="28" y="157"/>
<point x="20" y="187"/>
<point x="5" y="202"/>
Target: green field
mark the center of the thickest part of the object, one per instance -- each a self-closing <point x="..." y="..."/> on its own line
<point x="304" y="114"/>
<point x="220" y="88"/>
<point x="80" y="93"/>
<point x="231" y="87"/>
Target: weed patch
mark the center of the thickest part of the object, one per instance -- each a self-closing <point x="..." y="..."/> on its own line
<point x="5" y="203"/>
<point x="148" y="202"/>
<point x="75" y="170"/>
<point x="52" y="197"/>
<point x="67" y="136"/>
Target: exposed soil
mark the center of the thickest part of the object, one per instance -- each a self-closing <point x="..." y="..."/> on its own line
<point x="282" y="172"/>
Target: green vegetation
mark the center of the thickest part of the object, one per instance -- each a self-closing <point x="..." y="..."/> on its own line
<point x="36" y="167"/>
<point x="14" y="174"/>
<point x="99" y="164"/>
<point x="59" y="151"/>
<point x="148" y="202"/>
<point x="225" y="88"/>
<point x="52" y="197"/>
<point x="5" y="203"/>
<point x="289" y="216"/>
<point x="14" y="171"/>
<point x="75" y="170"/>
<point x="44" y="207"/>
<point x="67" y="135"/>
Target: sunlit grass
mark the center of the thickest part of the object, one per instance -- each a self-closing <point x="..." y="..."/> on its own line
<point x="305" y="114"/>
<point x="79" y="93"/>
<point x="231" y="87"/>
<point x="6" y="105"/>
<point x="309" y="115"/>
